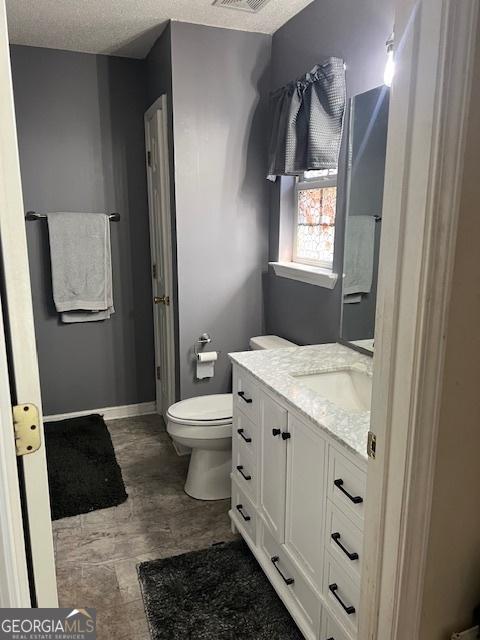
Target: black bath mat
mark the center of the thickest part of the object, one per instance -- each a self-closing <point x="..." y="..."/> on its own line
<point x="219" y="593"/>
<point x="83" y="473"/>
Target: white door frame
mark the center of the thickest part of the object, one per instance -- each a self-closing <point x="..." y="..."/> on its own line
<point x="14" y="587"/>
<point x="435" y="45"/>
<point x="20" y="335"/>
<point x="161" y="247"/>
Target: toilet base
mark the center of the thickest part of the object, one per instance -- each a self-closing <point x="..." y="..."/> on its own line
<point x="209" y="474"/>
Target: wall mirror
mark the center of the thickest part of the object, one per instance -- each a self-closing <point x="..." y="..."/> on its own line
<point x="368" y="124"/>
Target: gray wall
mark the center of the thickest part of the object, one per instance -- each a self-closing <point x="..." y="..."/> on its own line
<point x="159" y="67"/>
<point x="220" y="94"/>
<point x="81" y="141"/>
<point x="357" y="32"/>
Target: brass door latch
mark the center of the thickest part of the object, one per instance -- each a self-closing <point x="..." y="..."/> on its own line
<point x="26" y="424"/>
<point x="162" y="300"/>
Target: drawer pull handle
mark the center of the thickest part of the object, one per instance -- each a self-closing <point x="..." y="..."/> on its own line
<point x="244" y="397"/>
<point x="240" y="470"/>
<point x="350" y="555"/>
<point x="275" y="560"/>
<point x="245" y="516"/>
<point x="348" y="608"/>
<point x="276" y="432"/>
<point x="355" y="499"/>
<point x="241" y="433"/>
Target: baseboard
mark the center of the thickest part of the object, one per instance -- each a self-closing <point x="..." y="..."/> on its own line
<point x="109" y="413"/>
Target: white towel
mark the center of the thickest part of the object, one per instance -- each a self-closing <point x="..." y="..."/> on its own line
<point x="80" y="255"/>
<point x="359" y="253"/>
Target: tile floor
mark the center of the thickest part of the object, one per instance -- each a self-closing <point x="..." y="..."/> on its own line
<point x="97" y="553"/>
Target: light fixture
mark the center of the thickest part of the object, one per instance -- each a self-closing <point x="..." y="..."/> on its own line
<point x="390" y="65"/>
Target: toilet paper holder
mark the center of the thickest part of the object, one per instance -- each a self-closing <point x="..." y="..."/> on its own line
<point x="202" y="341"/>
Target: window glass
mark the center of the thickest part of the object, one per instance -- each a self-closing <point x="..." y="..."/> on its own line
<point x="315" y="224"/>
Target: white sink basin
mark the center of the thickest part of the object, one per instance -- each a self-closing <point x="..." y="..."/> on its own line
<point x="348" y="388"/>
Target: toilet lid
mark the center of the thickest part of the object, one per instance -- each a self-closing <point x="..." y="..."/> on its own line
<point x="214" y="407"/>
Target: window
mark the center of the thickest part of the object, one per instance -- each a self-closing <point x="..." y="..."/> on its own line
<point x="314" y="228"/>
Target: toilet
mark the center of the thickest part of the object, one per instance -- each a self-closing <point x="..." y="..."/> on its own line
<point x="204" y="425"/>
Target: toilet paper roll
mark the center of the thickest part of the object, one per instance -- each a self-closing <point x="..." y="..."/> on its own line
<point x="206" y="364"/>
<point x="208" y="356"/>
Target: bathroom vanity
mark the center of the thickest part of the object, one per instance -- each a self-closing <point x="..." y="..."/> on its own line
<point x="300" y="429"/>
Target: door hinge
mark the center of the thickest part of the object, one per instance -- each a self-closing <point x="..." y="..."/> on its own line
<point x="372" y="445"/>
<point x="26" y="424"/>
<point x="149" y="158"/>
<point x="158" y="373"/>
<point x="154" y="271"/>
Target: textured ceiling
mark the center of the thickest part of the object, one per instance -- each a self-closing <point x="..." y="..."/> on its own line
<point x="128" y="27"/>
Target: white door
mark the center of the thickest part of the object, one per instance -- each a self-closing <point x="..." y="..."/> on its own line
<point x="23" y="367"/>
<point x="273" y="466"/>
<point x="306" y="461"/>
<point x="156" y="139"/>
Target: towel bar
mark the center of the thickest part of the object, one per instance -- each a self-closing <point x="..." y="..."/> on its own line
<point x="33" y="215"/>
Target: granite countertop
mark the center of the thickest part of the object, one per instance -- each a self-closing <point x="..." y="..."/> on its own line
<point x="275" y="368"/>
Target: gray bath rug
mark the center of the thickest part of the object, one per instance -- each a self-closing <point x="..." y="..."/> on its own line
<point x="83" y="473"/>
<point x="219" y="593"/>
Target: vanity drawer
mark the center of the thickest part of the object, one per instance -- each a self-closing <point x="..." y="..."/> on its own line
<point x="246" y="432"/>
<point x="242" y="448"/>
<point x="244" y="512"/>
<point x="344" y="541"/>
<point x="346" y="486"/>
<point x="289" y="577"/>
<point x="247" y="395"/>
<point x="331" y="630"/>
<point x="245" y="471"/>
<point x="342" y="593"/>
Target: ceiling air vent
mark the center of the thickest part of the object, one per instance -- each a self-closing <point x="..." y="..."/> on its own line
<point x="253" y="6"/>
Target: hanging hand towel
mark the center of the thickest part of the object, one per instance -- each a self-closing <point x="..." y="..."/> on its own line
<point x="359" y="254"/>
<point x="80" y="255"/>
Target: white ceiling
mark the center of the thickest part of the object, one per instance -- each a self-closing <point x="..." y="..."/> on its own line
<point x="128" y="27"/>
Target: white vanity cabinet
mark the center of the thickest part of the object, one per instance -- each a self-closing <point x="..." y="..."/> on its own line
<point x="297" y="500"/>
<point x="273" y="465"/>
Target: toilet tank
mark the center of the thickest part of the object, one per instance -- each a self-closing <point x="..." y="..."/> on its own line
<point x="270" y="342"/>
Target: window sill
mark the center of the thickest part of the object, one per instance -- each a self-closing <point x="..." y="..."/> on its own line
<point x="305" y="273"/>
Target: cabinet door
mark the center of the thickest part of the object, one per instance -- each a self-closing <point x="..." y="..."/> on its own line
<point x="332" y="630"/>
<point x="273" y="466"/>
<point x="305" y="517"/>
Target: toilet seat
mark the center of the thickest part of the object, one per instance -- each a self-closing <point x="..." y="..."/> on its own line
<point x="203" y="411"/>
<point x="197" y="431"/>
